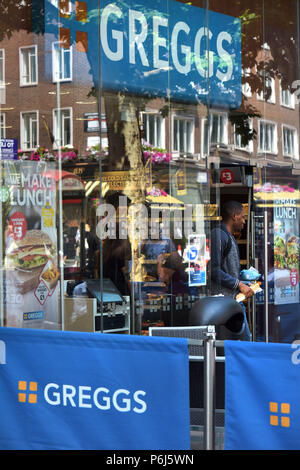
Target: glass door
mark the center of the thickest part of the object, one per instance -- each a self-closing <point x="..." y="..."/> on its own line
<point x="275" y="251"/>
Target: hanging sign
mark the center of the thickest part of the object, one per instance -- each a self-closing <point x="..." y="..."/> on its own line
<point x="153" y="48"/>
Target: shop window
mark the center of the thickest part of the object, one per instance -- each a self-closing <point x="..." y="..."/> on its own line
<point x="29" y="130"/>
<point x="287" y="98"/>
<point x="269" y="90"/>
<point x="216" y="132"/>
<point x="2" y="126"/>
<point x="153" y="125"/>
<point x="183" y="134"/>
<point x="62" y="63"/>
<point x="267" y="137"/>
<point x="289" y="142"/>
<point x="238" y="140"/>
<point x="2" y="68"/>
<point x="28" y="65"/>
<point x="62" y="125"/>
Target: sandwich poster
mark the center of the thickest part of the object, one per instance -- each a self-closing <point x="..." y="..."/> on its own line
<point x="286" y="252"/>
<point x="30" y="246"/>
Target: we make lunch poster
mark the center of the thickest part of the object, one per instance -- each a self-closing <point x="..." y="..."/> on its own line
<point x="30" y="245"/>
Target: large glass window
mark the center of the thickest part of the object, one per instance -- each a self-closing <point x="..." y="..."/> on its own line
<point x="146" y="119"/>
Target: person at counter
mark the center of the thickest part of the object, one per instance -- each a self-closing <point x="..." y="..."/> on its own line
<point x="225" y="256"/>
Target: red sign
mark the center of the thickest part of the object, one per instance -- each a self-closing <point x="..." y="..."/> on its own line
<point x="227" y="176"/>
<point x="294" y="278"/>
<point x="18" y="226"/>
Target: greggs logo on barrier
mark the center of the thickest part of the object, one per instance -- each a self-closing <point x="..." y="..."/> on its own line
<point x="83" y="396"/>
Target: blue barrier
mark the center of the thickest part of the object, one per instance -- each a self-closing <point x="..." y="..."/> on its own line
<point x="70" y="390"/>
<point x="262" y="383"/>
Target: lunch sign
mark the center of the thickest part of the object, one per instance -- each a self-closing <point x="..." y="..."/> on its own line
<point x="154" y="48"/>
<point x="31" y="280"/>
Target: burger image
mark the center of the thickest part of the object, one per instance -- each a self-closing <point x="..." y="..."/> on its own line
<point x="32" y="251"/>
<point x="27" y="258"/>
<point x="293" y="252"/>
<point x="279" y="252"/>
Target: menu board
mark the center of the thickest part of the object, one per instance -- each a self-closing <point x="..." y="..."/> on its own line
<point x="286" y="251"/>
<point x="30" y="245"/>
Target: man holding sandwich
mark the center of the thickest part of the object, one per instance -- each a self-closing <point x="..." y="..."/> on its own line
<point x="225" y="257"/>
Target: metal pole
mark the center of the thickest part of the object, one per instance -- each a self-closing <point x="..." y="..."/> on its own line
<point x="209" y="390"/>
<point x="266" y="293"/>
<point x="253" y="300"/>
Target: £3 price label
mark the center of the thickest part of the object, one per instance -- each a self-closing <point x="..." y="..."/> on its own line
<point x="227" y="176"/>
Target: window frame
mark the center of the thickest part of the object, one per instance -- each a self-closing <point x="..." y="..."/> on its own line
<point x="2" y="125"/>
<point x="272" y="98"/>
<point x="57" y="145"/>
<point x="249" y="147"/>
<point x="2" y="67"/>
<point x="295" y="155"/>
<point x="162" y="125"/>
<point x="218" y="113"/>
<point x="31" y="147"/>
<point x="55" y="60"/>
<point x="186" y="118"/>
<point x="21" y="65"/>
<point x="292" y="96"/>
<point x="273" y="151"/>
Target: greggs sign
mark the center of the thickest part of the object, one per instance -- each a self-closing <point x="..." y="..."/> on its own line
<point x="88" y="391"/>
<point x="160" y="48"/>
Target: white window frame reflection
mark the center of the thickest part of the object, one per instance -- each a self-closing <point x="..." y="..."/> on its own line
<point x="154" y="127"/>
<point x="287" y="99"/>
<point x="238" y="140"/>
<point x="62" y="63"/>
<point x="183" y="134"/>
<point x="217" y="131"/>
<point x="28" y="65"/>
<point x="65" y="115"/>
<point x="269" y="135"/>
<point x="269" y="83"/>
<point x="29" y="124"/>
<point x="289" y="141"/>
<point x="2" y="68"/>
<point x="2" y="125"/>
<point x="246" y="89"/>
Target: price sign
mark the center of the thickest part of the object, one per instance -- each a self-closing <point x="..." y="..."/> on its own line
<point x="18" y="226"/>
<point x="41" y="292"/>
<point x="294" y="278"/>
<point x="227" y="176"/>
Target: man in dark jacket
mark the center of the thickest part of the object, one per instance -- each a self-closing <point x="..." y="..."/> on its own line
<point x="225" y="256"/>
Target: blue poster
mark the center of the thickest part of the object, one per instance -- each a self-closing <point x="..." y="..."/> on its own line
<point x="262" y="383"/>
<point x="9" y="149"/>
<point x="89" y="391"/>
<point x="152" y="48"/>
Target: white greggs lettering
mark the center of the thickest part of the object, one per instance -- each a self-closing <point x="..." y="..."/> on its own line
<point x="138" y="35"/>
<point x="84" y="397"/>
